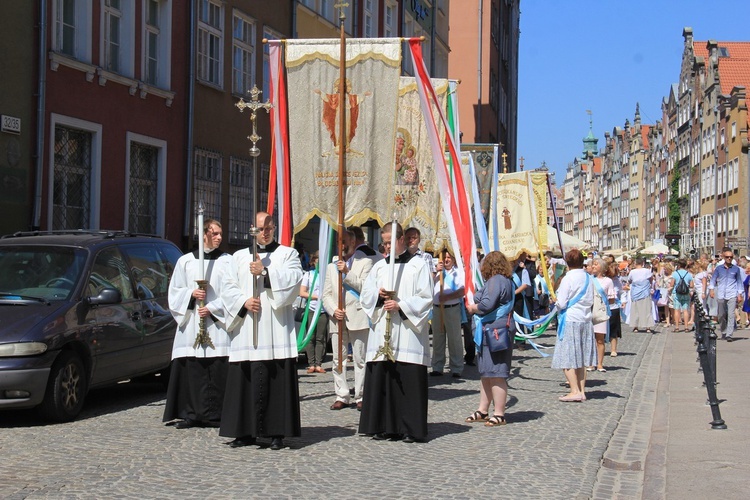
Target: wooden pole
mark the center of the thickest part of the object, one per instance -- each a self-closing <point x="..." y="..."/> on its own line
<point x="342" y="173"/>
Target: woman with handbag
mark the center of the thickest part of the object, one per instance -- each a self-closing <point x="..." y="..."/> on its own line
<point x="493" y="312"/>
<point x="575" y="348"/>
<point x="607" y="292"/>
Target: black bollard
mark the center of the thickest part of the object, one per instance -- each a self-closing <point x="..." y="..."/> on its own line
<point x="706" y="338"/>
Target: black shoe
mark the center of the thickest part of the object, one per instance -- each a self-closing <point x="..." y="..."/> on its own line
<point x="380" y="436"/>
<point x="436" y="374"/>
<point x="277" y="443"/>
<point x="470" y="363"/>
<point x="409" y="439"/>
<point x="242" y="441"/>
<point x="456" y="375"/>
<point x="730" y="339"/>
<point x="185" y="424"/>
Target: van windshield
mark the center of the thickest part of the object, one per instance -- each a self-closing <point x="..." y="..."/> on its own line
<point x="40" y="272"/>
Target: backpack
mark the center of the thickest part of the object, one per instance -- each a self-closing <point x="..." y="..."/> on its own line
<point x="682" y="287"/>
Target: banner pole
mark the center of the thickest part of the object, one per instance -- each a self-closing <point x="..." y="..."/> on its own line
<point x="342" y="170"/>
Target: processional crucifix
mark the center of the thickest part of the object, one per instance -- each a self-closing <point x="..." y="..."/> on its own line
<point x="254" y="105"/>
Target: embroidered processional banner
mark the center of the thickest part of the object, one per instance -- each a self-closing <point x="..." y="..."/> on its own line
<point x="484" y="159"/>
<point x="521" y="214"/>
<point x="415" y="189"/>
<point x="372" y="82"/>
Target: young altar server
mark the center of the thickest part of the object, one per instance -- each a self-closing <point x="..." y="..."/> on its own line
<point x="195" y="393"/>
<point x="395" y="394"/>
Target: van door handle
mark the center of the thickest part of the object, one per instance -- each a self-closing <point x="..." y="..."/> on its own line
<point x="135" y="316"/>
<point x="148" y="313"/>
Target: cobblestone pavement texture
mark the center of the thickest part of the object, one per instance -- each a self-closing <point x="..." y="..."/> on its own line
<point x="119" y="448"/>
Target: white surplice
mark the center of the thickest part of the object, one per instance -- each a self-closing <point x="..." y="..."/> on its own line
<point x="276" y="332"/>
<point x="184" y="308"/>
<point x="410" y="336"/>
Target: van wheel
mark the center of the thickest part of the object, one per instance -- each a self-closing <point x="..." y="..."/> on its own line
<point x="66" y="389"/>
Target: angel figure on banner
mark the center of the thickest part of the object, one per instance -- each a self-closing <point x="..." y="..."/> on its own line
<point x="332" y="116"/>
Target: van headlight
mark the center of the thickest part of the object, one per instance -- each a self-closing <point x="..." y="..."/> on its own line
<point x="22" y="349"/>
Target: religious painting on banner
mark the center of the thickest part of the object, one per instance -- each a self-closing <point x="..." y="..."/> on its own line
<point x="415" y="191"/>
<point x="521" y="213"/>
<point x="372" y="83"/>
<point x="484" y="161"/>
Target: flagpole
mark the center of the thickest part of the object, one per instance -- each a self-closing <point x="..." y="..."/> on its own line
<point x="342" y="171"/>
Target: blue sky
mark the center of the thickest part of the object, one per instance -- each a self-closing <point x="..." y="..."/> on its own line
<point x="604" y="56"/>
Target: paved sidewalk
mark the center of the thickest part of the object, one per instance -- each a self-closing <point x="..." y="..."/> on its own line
<point x="664" y="446"/>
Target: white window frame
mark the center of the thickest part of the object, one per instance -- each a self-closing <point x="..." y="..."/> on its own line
<point x="109" y="46"/>
<point x="205" y="60"/>
<point x="163" y="32"/>
<point x="82" y="29"/>
<point x="96" y="164"/>
<point x="390" y="29"/>
<point x="161" y="188"/>
<point x="245" y="47"/>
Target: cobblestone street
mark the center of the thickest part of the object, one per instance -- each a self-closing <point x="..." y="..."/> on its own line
<point x="119" y="447"/>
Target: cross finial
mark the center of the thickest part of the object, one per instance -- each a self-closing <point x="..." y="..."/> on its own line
<point x="341" y="6"/>
<point x="505" y="162"/>
<point x="254" y="105"/>
<point x="521" y="159"/>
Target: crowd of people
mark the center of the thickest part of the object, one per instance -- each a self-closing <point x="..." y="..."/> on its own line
<point x="235" y="352"/>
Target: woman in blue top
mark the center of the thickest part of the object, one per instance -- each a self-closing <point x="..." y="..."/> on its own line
<point x="494" y="367"/>
<point x="681" y="301"/>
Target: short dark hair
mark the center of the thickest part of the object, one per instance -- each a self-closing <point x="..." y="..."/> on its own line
<point x="574" y="258"/>
<point x="413" y="230"/>
<point x="356" y="232"/>
<point x="727" y="249"/>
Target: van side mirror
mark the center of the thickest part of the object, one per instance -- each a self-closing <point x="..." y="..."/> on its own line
<point x="106" y="296"/>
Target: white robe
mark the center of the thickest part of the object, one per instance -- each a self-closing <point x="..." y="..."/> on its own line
<point x="276" y="333"/>
<point x="181" y="288"/>
<point x="409" y="338"/>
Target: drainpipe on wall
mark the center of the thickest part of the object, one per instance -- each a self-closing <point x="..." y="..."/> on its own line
<point x="190" y="113"/>
<point x="479" y="77"/>
<point x="41" y="89"/>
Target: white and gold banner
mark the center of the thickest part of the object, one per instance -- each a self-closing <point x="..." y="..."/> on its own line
<point x="372" y="82"/>
<point x="415" y="190"/>
<point x="521" y="213"/>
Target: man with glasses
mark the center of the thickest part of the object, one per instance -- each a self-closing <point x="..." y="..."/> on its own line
<point x="262" y="393"/>
<point x="726" y="287"/>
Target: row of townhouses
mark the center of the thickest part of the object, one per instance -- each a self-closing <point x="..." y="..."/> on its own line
<point x="683" y="181"/>
<point x="120" y="114"/>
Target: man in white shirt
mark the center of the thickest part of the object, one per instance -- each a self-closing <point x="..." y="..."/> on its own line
<point x="446" y="317"/>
